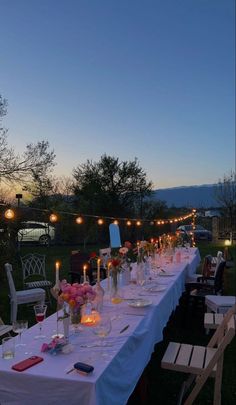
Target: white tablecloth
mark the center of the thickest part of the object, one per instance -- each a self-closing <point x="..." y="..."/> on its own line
<point x="113" y="379"/>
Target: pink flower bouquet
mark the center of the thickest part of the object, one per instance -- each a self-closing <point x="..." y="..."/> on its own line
<point x="75" y="294"/>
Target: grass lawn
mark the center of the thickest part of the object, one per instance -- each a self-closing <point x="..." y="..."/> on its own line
<point x="162" y="385"/>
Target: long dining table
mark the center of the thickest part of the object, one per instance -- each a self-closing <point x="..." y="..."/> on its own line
<point x="125" y="354"/>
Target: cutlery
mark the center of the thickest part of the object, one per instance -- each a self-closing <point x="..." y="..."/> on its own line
<point x="95" y="345"/>
<point x="124" y="329"/>
<point x="133" y="313"/>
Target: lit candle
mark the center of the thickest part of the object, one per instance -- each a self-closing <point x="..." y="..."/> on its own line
<point x="98" y="269"/>
<point x="84" y="269"/>
<point x="90" y="319"/>
<point x="138" y="245"/>
<point x="108" y="276"/>
<point x="57" y="264"/>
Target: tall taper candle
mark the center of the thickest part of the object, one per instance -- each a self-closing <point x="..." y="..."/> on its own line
<point x="108" y="275"/>
<point x="98" y="269"/>
<point x="84" y="269"/>
<point x="57" y="283"/>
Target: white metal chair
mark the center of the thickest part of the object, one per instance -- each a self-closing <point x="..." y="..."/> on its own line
<point x="23" y="296"/>
<point x="201" y="362"/>
<point x="33" y="266"/>
<point x="4" y="329"/>
<point x="105" y="254"/>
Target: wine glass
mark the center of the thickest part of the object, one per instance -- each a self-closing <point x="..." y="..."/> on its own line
<point x="40" y="312"/>
<point x="102" y="329"/>
<point x="19" y="327"/>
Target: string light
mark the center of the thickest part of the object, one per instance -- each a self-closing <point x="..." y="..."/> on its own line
<point x="79" y="220"/>
<point x="9" y="214"/>
<point x="53" y="218"/>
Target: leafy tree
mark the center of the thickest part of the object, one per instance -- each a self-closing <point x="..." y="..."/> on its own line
<point x="110" y="187"/>
<point x="34" y="162"/>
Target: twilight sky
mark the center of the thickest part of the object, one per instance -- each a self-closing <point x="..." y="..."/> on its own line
<point x="152" y="79"/>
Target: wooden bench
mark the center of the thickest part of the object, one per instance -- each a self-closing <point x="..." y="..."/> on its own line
<point x="201" y="362"/>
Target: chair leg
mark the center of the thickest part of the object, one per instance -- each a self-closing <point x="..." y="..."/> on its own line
<point x="49" y="295"/>
<point x="218" y="381"/>
<point x="185" y="386"/>
<point x="13" y="311"/>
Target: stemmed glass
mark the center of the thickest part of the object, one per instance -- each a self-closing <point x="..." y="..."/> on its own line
<point x="19" y="327"/>
<point x="40" y="312"/>
<point x="102" y="329"/>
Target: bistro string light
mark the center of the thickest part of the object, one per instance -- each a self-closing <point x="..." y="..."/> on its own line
<point x="79" y="219"/>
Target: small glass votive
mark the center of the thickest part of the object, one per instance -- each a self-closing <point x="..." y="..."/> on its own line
<point x="8" y="348"/>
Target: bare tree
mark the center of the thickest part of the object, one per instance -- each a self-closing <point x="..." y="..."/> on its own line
<point x="35" y="161"/>
<point x="225" y="194"/>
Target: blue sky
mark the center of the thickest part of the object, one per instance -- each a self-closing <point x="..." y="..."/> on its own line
<point x="152" y="79"/>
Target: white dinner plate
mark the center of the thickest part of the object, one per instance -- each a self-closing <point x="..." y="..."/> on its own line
<point x="166" y="274"/>
<point x="155" y="289"/>
<point x="139" y="303"/>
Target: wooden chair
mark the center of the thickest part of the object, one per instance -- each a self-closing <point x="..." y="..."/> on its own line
<point x="21" y="297"/>
<point x="219" y="303"/>
<point x="201" y="362"/>
<point x="34" y="273"/>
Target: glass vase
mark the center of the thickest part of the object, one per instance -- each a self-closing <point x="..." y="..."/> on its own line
<point x="125" y="274"/>
<point x="115" y="287"/>
<point x="140" y="274"/>
<point x="75" y="318"/>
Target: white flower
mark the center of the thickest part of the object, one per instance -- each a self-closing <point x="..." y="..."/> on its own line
<point x="123" y="250"/>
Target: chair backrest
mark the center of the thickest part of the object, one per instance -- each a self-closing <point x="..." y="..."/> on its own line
<point x="105" y="254"/>
<point x="206" y="267"/>
<point x="219" y="277"/>
<point x="223" y="335"/>
<point x="33" y="264"/>
<point x="8" y="269"/>
<point x="77" y="261"/>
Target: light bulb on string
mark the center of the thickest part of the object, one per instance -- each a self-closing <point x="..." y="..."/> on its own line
<point x="79" y="220"/>
<point x="100" y="221"/>
<point x="9" y="214"/>
<point x="53" y="218"/>
<point x="115" y="222"/>
<point x="128" y="223"/>
<point x="138" y="223"/>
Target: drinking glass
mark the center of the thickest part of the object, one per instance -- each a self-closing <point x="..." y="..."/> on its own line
<point x="8" y="348"/>
<point x="102" y="329"/>
<point x="19" y="327"/>
<point x="40" y="312"/>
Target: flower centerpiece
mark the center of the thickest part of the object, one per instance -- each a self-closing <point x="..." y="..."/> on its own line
<point x="75" y="296"/>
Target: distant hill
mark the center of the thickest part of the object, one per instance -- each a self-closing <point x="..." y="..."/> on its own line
<point x="188" y="196"/>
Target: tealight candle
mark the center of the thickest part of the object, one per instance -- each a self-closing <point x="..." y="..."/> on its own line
<point x="90" y="319"/>
<point x="98" y="269"/>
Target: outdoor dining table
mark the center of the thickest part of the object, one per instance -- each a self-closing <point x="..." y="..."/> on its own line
<point x="126" y="353"/>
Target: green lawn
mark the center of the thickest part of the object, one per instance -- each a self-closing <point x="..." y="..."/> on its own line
<point x="162" y="385"/>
